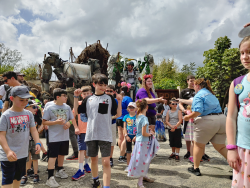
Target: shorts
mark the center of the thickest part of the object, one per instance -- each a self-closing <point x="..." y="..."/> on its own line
<point x="32" y="151"/>
<point x="119" y="122"/>
<point x="129" y="144"/>
<point x="151" y="120"/>
<point x="113" y="134"/>
<point x="13" y="170"/>
<point x="175" y="138"/>
<point x="58" y="148"/>
<point x="93" y="147"/>
<point x="81" y="141"/>
<point x="210" y="128"/>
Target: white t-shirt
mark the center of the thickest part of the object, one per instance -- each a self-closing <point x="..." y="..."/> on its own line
<point x="2" y="92"/>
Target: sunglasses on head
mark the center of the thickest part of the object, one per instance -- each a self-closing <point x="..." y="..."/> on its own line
<point x="110" y="91"/>
<point x="174" y="103"/>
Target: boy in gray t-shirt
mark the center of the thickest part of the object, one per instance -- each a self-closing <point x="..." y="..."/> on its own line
<point x="99" y="109"/>
<point x="16" y="124"/>
<point x="58" y="117"/>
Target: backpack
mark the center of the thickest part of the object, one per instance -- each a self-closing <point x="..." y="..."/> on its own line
<point x="238" y="81"/>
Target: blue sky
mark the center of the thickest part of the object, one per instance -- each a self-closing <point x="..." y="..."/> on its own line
<point x="165" y="29"/>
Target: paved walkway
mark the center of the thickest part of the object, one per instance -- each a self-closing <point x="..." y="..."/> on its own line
<point x="167" y="173"/>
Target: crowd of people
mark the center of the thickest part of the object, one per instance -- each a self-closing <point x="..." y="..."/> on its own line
<point x="90" y="120"/>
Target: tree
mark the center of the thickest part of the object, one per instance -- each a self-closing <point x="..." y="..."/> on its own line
<point x="186" y="70"/>
<point x="31" y="71"/>
<point x="221" y="66"/>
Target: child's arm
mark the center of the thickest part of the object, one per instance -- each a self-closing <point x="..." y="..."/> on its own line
<point x="144" y="131"/>
<point x="77" y="93"/>
<point x="58" y="121"/>
<point x="77" y="131"/>
<point x="35" y="136"/>
<point x="119" y="108"/>
<point x="232" y="155"/>
<point x="3" y="142"/>
<point x="180" y="119"/>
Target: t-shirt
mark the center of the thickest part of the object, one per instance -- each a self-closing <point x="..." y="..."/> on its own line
<point x="125" y="101"/>
<point x="166" y="108"/>
<point x="1" y="104"/>
<point x="82" y="120"/>
<point x="114" y="120"/>
<point x="187" y="94"/>
<point x="131" y="78"/>
<point x="99" y="109"/>
<point x="54" y="112"/>
<point x="17" y="126"/>
<point x="141" y="121"/>
<point x="48" y="104"/>
<point x="2" y="92"/>
<point x="131" y="124"/>
<point x="141" y="94"/>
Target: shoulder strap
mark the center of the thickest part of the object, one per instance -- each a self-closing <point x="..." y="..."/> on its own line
<point x="238" y="81"/>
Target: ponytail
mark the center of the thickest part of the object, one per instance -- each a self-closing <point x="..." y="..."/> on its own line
<point x="204" y="83"/>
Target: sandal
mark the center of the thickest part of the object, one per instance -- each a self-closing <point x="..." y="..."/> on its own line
<point x="147" y="179"/>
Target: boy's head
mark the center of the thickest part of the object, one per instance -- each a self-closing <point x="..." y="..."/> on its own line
<point x="100" y="82"/>
<point x="86" y="91"/>
<point x="131" y="107"/>
<point x="9" y="78"/>
<point x="20" y="95"/>
<point x="60" y="95"/>
<point x="110" y="90"/>
<point x="190" y="81"/>
<point x="31" y="106"/>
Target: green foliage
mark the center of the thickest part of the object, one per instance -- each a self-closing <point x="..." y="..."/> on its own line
<point x="30" y="71"/>
<point x="221" y="66"/>
<point x="187" y="69"/>
<point x="166" y="83"/>
<point x="5" y="68"/>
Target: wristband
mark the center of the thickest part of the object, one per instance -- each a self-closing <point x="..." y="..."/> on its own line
<point x="126" y="135"/>
<point x="231" y="147"/>
<point x="76" y="96"/>
<point x="39" y="144"/>
<point x="70" y="122"/>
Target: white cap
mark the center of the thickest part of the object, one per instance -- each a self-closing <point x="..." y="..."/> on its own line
<point x="132" y="104"/>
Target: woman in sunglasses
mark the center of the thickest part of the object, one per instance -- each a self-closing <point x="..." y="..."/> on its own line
<point x="173" y="121"/>
<point x="209" y="123"/>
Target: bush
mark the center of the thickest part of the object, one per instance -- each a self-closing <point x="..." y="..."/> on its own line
<point x="31" y="71"/>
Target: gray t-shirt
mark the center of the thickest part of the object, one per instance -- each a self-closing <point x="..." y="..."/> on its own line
<point x="131" y="80"/>
<point x="54" y="112"/>
<point x="17" y="126"/>
<point x="99" y="109"/>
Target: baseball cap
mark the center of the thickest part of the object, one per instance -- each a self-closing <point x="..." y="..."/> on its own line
<point x="20" y="74"/>
<point x="132" y="104"/>
<point x="31" y="103"/>
<point x="20" y="91"/>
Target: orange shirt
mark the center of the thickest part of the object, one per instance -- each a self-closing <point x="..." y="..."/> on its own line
<point x="81" y="125"/>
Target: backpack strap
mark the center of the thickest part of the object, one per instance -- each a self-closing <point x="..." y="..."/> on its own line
<point x="238" y="81"/>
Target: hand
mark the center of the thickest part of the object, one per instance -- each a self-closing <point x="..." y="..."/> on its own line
<point x="40" y="129"/>
<point x="77" y="92"/>
<point x="134" y="139"/>
<point x="246" y="25"/>
<point x="38" y="149"/>
<point x="128" y="139"/>
<point x="186" y="118"/>
<point x="172" y="130"/>
<point x="46" y="127"/>
<point x="185" y="111"/>
<point x="66" y="126"/>
<point x="11" y="156"/>
<point x="233" y="159"/>
<point x="77" y="131"/>
<point x="60" y="121"/>
<point x="119" y="97"/>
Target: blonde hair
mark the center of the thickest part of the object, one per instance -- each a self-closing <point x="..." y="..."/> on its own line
<point x="245" y="39"/>
<point x="204" y="83"/>
<point x="141" y="105"/>
<point x="189" y="107"/>
<point x="144" y="85"/>
<point x="86" y="88"/>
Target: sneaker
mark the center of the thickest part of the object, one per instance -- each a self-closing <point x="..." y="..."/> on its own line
<point x="96" y="184"/>
<point x="87" y="168"/>
<point x="204" y="158"/>
<point x="111" y="162"/>
<point x="187" y="155"/>
<point x="36" y="178"/>
<point x="61" y="174"/>
<point x="51" y="182"/>
<point x="207" y="156"/>
<point x="45" y="157"/>
<point x="79" y="174"/>
<point x="30" y="173"/>
<point x="195" y="171"/>
<point x="72" y="157"/>
<point x="126" y="169"/>
<point x="172" y="156"/>
<point x="191" y="159"/>
<point x="122" y="159"/>
<point x="177" y="158"/>
<point x="24" y="180"/>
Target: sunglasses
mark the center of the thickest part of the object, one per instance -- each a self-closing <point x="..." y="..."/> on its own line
<point x="174" y="103"/>
<point x="5" y="81"/>
<point x="109" y="91"/>
<point x="131" y="107"/>
<point x="34" y="107"/>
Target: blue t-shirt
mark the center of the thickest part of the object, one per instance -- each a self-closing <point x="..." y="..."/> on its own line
<point x="125" y="101"/>
<point x="1" y="104"/>
<point x="243" y="120"/>
<point x="205" y="103"/>
<point x="131" y="124"/>
<point x="141" y="121"/>
<point x="114" y="120"/>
